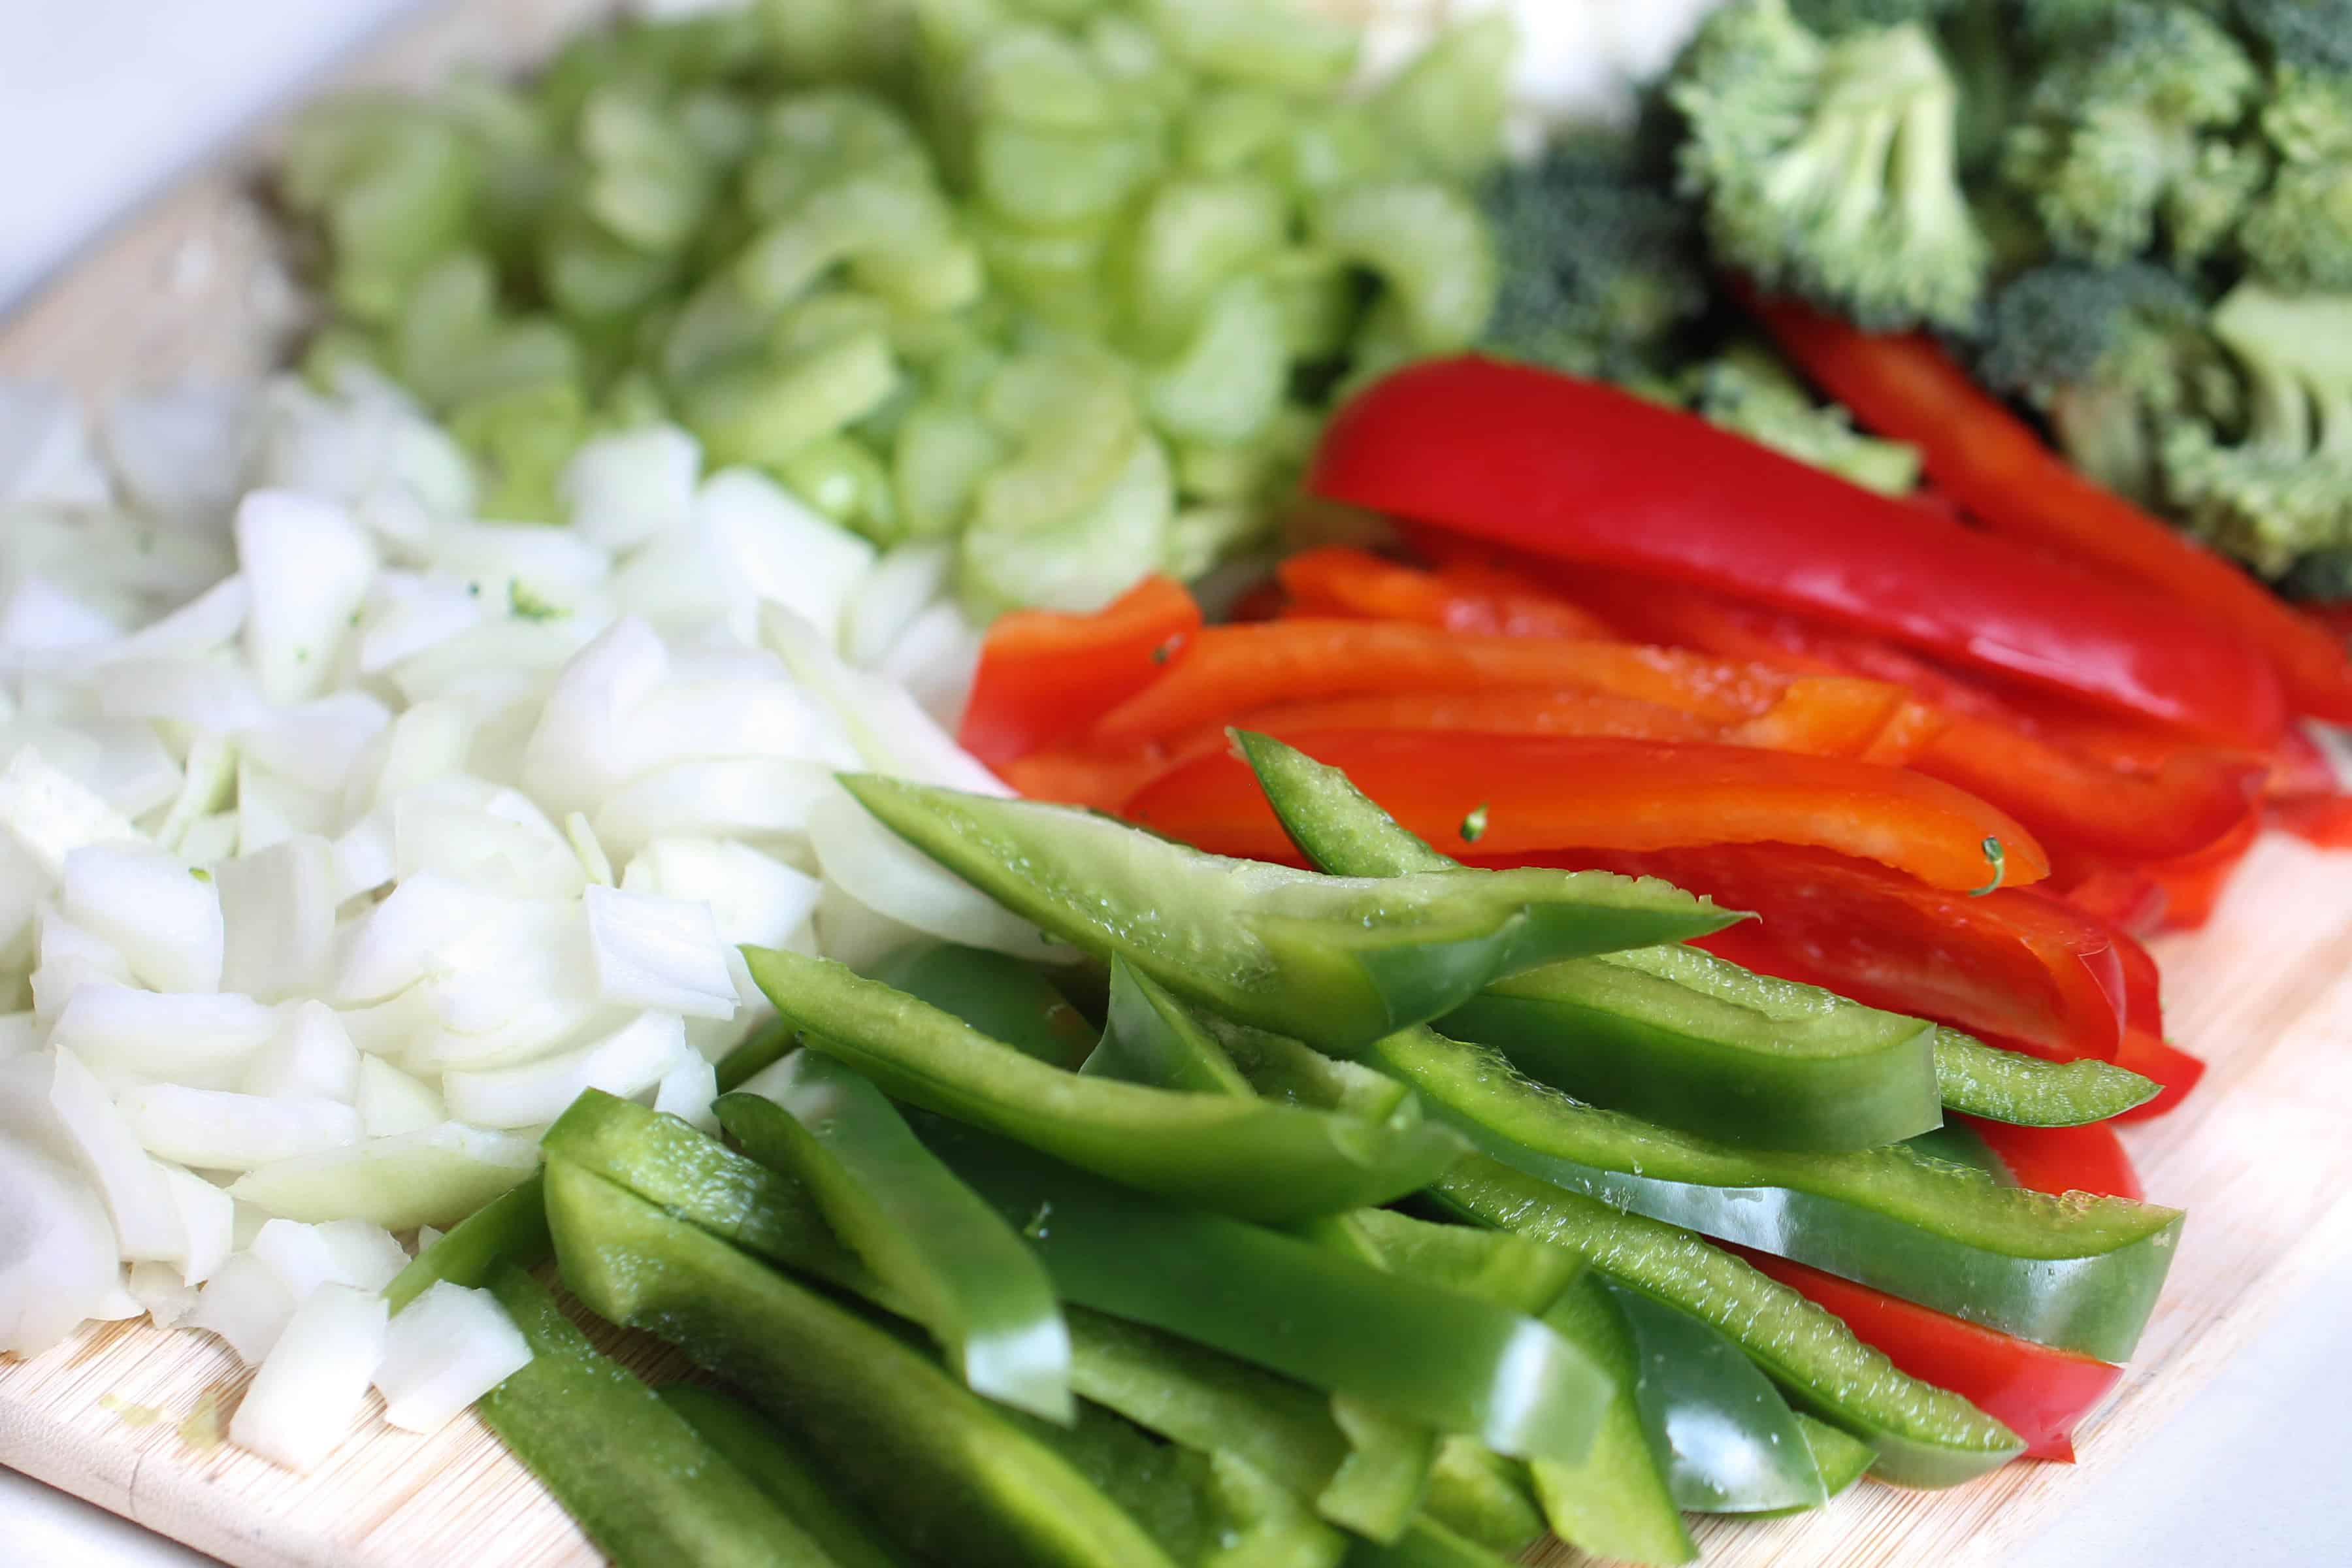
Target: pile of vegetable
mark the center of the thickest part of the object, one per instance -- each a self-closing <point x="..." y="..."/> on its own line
<point x="1063" y="286"/>
<point x="1266" y="1268"/>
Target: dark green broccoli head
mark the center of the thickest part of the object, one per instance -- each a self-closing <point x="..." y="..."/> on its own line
<point x="2316" y="34"/>
<point x="1829" y="167"/>
<point x="2275" y="486"/>
<point x="2112" y="355"/>
<point x="1834" y="19"/>
<point x="2299" y="235"/>
<point x="2128" y="138"/>
<point x="1602" y="267"/>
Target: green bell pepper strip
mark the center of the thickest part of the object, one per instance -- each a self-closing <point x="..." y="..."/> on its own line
<point x="1925" y="1436"/>
<point x="1728" y="1441"/>
<point x="1521" y="1275"/>
<point x="1670" y="1034"/>
<point x="964" y="1273"/>
<point x="1977" y="1079"/>
<point x="649" y="1491"/>
<point x="510" y="1228"/>
<point x="1841" y="1458"/>
<point x="1273" y="1162"/>
<point x="1615" y="1502"/>
<point x="996" y="993"/>
<point x="1480" y="1496"/>
<point x="2076" y="1272"/>
<point x="754" y="1445"/>
<point x="1340" y="962"/>
<point x="1149" y="1038"/>
<point x="1435" y="1355"/>
<point x="920" y="1453"/>
<point x="1426" y="1543"/>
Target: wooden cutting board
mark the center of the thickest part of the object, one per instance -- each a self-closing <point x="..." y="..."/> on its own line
<point x="130" y="1418"/>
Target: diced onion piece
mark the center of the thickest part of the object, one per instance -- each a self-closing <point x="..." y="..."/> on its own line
<point x="336" y="1252"/>
<point x="179" y="451"/>
<point x="158" y="1288"/>
<point x="71" y="958"/>
<point x="437" y="1176"/>
<point x="658" y="953"/>
<point x="58" y="1255"/>
<point x="936" y="661"/>
<point x="217" y="699"/>
<point x="208" y="783"/>
<point x="687" y="1091"/>
<point x="45" y="456"/>
<point x="244" y="1304"/>
<point x="49" y="814"/>
<point x="744" y="797"/>
<point x="21" y="1034"/>
<point x="163" y="920"/>
<point x="364" y="859"/>
<point x="313" y="744"/>
<point x="270" y="810"/>
<point x="407" y="615"/>
<point x="784" y="551"/>
<point x="129" y="1036"/>
<point x="630" y="486"/>
<point x="539" y="1027"/>
<point x="146" y="1222"/>
<point x="902" y="586"/>
<point x="755" y="897"/>
<point x="892" y="734"/>
<point x="309" y="1388"/>
<point x="627" y="1062"/>
<point x="309" y="564"/>
<point x="207" y="1223"/>
<point x="217" y="1129"/>
<point x="849" y="932"/>
<point x="396" y="943"/>
<point x="37" y="617"/>
<point x="277" y="912"/>
<point x="447" y="1348"/>
<point x="892" y="878"/>
<point x="580" y="751"/>
<point x="391" y="1102"/>
<point x="311" y="1057"/>
<point x="206" y="622"/>
<point x="482" y="847"/>
<point x="426" y="744"/>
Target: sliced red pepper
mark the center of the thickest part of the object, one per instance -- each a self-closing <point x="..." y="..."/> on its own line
<point x="1341" y="580"/>
<point x="1527" y="795"/>
<point x="1584" y="472"/>
<point x="2125" y="898"/>
<point x="1044" y="676"/>
<point x="2008" y="965"/>
<point x="2042" y="1394"/>
<point x="2153" y="1057"/>
<point x="1079" y="775"/>
<point x="1531" y="712"/>
<point x="2088" y="1159"/>
<point x="2324" y="820"/>
<point x="2193" y="886"/>
<point x="2300" y="769"/>
<point x="2002" y="473"/>
<point x="1228" y="670"/>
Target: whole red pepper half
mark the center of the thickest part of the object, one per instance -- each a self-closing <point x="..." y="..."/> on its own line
<point x="2042" y="1394"/>
<point x="1529" y="795"/>
<point x="2010" y="481"/>
<point x="1583" y="472"/>
<point x="1045" y="676"/>
<point x="2012" y="965"/>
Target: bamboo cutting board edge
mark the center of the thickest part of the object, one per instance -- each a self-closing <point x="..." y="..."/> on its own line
<point x="201" y="288"/>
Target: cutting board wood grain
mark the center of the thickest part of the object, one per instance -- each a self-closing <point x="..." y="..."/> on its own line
<point x="203" y="286"/>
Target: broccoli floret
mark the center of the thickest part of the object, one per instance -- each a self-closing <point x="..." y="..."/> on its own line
<point x="2283" y="490"/>
<point x="2298" y="235"/>
<point x="1603" y="269"/>
<point x="1829" y="168"/>
<point x="2324" y="575"/>
<point x="1748" y="390"/>
<point x="2313" y="35"/>
<point x="1833" y="18"/>
<point x="2130" y="135"/>
<point x="2113" y="357"/>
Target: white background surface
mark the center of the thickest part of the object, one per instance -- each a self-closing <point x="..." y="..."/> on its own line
<point x="103" y="101"/>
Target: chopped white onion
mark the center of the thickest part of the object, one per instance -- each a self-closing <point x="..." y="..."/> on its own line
<point x="890" y="599"/>
<point x="625" y="489"/>
<point x="580" y="751"/>
<point x="207" y="1223"/>
<point x="131" y="1036"/>
<point x="313" y="744"/>
<point x="244" y="1304"/>
<point x="437" y="1176"/>
<point x="759" y="798"/>
<point x="892" y="878"/>
<point x="659" y="953"/>
<point x="391" y="1102"/>
<point x="310" y="1058"/>
<point x="686" y="1091"/>
<point x="146" y="1221"/>
<point x="309" y="1388"/>
<point x="70" y="959"/>
<point x="444" y="1350"/>
<point x="627" y="1062"/>
<point x="218" y="1130"/>
<point x="270" y="809"/>
<point x="277" y="911"/>
<point x="783" y="549"/>
<point x="309" y="564"/>
<point x="158" y="1288"/>
<point x="196" y="630"/>
<point x="165" y="921"/>
<point x="338" y="1252"/>
<point x="397" y="942"/>
<point x="49" y="814"/>
<point x="179" y="452"/>
<point x="756" y="898"/>
<point x="58" y="1255"/>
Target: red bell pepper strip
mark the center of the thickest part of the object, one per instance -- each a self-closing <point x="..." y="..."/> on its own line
<point x="1583" y="472"/>
<point x="2124" y="896"/>
<point x="1229" y="670"/>
<point x="2003" y="476"/>
<point x="2153" y="1057"/>
<point x="1524" y="795"/>
<point x="1342" y="580"/>
<point x="1044" y="676"/>
<point x="2323" y="820"/>
<point x="2009" y="966"/>
<point x="1529" y="713"/>
<point x="1080" y="776"/>
<point x="2193" y="886"/>
<point x="2042" y="1394"/>
<point x="2088" y="1159"/>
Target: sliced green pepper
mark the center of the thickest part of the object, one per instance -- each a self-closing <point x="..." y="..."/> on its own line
<point x="1479" y="1495"/>
<point x="754" y="1446"/>
<point x="963" y="1272"/>
<point x="649" y="1491"/>
<point x="510" y="1228"/>
<point x="996" y="993"/>
<point x="1149" y="1038"/>
<point x="2077" y="1272"/>
<point x="1728" y="1441"/>
<point x="1841" y="1458"/>
<point x="1435" y="1355"/>
<point x="1273" y="1162"/>
<point x="921" y="1454"/>
<point x="1977" y="1079"/>
<point x="1670" y="1034"/>
<point x="1615" y="1502"/>
<point x="1522" y="1274"/>
<point x="1925" y="1436"/>
<point x="1426" y="1543"/>
<point x="1335" y="960"/>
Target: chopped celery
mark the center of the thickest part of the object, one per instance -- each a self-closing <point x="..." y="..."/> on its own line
<point x="1193" y="236"/>
<point x="1228" y="382"/>
<point x="1447" y="107"/>
<point x="1427" y="243"/>
<point x="1273" y="45"/>
<point x="764" y="411"/>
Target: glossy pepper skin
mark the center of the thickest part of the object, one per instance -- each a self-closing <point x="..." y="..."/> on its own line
<point x="1338" y="580"/>
<point x="1544" y="793"/>
<point x="1584" y="472"/>
<point x="2007" y="479"/>
<point x="2041" y="1394"/>
<point x="1045" y="676"/>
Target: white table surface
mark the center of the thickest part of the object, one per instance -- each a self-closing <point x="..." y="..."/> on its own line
<point x="102" y="102"/>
